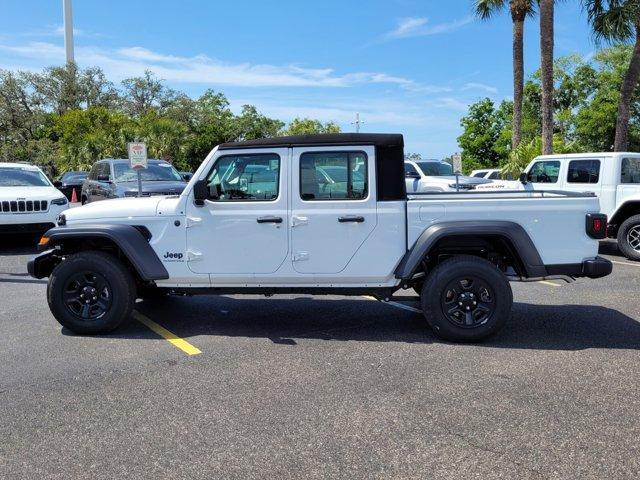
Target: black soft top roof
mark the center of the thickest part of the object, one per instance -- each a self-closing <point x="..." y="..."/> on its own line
<point x="328" y="139"/>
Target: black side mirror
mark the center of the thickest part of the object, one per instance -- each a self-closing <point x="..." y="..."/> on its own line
<point x="523" y="178"/>
<point x="200" y="192"/>
<point x="412" y="175"/>
<point x="187" y="176"/>
<point x="104" y="178"/>
<point x="57" y="184"/>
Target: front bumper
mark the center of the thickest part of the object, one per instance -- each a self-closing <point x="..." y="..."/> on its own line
<point x="597" y="267"/>
<point x="25" y="228"/>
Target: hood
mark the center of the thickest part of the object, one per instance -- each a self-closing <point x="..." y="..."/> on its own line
<point x="28" y="193"/>
<point x="116" y="208"/>
<point x="172" y="187"/>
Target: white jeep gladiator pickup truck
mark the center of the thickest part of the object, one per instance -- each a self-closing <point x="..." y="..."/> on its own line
<point x="317" y="214"/>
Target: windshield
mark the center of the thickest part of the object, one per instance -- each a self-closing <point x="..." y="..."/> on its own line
<point x="73" y="176"/>
<point x="22" y="177"/>
<point x="435" y="169"/>
<point x="155" y="172"/>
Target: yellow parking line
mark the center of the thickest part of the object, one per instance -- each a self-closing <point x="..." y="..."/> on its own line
<point x="626" y="263"/>
<point x="174" y="340"/>
<point x="549" y="283"/>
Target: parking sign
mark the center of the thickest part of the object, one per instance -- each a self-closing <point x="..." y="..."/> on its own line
<point x="137" y="155"/>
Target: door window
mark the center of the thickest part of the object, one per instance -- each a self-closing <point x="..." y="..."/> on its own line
<point x="253" y="177"/>
<point x="333" y="176"/>
<point x="583" y="171"/>
<point x="494" y="175"/>
<point x="630" y="172"/>
<point x="410" y="170"/>
<point x="544" y="172"/>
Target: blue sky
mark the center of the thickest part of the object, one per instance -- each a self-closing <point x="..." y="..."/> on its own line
<point x="408" y="66"/>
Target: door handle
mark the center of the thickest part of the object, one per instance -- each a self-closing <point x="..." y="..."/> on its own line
<point x="351" y="219"/>
<point x="269" y="219"/>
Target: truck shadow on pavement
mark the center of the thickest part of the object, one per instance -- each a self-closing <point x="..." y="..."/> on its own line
<point x="287" y="321"/>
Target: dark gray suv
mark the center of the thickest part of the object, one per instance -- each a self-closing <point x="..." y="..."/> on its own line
<point x="113" y="178"/>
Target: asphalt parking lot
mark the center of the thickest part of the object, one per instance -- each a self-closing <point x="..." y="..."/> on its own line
<point x="328" y="387"/>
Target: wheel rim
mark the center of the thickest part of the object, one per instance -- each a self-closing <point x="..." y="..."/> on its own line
<point x="87" y="295"/>
<point x="633" y="237"/>
<point x="468" y="302"/>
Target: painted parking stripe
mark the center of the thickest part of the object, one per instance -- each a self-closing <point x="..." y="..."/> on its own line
<point x="397" y="305"/>
<point x="170" y="337"/>
<point x="626" y="263"/>
<point x="545" y="282"/>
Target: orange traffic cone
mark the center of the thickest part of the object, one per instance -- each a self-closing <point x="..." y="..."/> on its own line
<point x="74" y="197"/>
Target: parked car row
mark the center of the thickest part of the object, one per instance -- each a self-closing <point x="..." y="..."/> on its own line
<point x="30" y="203"/>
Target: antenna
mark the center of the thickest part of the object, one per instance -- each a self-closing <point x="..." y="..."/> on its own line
<point x="357" y="123"/>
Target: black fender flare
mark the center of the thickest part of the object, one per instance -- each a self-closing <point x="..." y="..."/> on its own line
<point x="511" y="231"/>
<point x="129" y="239"/>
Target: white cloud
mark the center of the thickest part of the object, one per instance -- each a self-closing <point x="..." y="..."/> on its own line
<point x="480" y="86"/>
<point x="420" y="26"/>
<point x="200" y="69"/>
<point x="450" y="103"/>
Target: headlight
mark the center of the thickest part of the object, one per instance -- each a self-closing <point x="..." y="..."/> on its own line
<point x="59" y="201"/>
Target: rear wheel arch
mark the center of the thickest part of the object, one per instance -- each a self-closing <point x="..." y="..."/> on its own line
<point x="506" y="244"/>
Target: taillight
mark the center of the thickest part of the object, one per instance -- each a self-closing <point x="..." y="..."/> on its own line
<point x="596" y="225"/>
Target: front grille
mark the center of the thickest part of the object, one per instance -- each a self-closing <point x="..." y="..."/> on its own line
<point x="23" y="206"/>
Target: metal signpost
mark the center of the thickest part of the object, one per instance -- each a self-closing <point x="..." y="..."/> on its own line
<point x="138" y="160"/>
<point x="457" y="168"/>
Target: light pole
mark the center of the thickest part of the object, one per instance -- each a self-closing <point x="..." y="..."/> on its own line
<point x="68" y="30"/>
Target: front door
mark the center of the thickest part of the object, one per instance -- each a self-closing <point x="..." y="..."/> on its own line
<point x="333" y="206"/>
<point x="243" y="226"/>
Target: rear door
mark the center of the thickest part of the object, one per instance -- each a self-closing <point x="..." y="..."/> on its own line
<point x="333" y="208"/>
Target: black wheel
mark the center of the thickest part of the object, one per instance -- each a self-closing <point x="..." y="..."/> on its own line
<point x="466" y="299"/>
<point x="629" y="238"/>
<point x="91" y="292"/>
<point x="84" y="200"/>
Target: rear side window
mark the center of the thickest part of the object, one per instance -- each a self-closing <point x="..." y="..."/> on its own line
<point x="333" y="176"/>
<point x="583" y="171"/>
<point x="630" y="172"/>
<point x="245" y="178"/>
<point x="494" y="176"/>
<point x="544" y="172"/>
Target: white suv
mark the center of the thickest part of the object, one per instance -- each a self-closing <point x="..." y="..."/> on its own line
<point x="29" y="203"/>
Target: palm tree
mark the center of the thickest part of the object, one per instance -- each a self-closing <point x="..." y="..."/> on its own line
<point x="619" y="21"/>
<point x="520" y="10"/>
<point x="546" y="67"/>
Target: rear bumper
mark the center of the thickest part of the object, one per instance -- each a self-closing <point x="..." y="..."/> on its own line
<point x="592" y="268"/>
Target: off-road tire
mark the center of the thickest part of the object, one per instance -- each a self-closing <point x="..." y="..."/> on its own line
<point x="119" y="292"/>
<point x="631" y="224"/>
<point x="466" y="279"/>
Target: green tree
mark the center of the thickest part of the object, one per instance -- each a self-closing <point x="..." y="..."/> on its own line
<point x="619" y="21"/>
<point x="306" y="126"/>
<point x="481" y="137"/>
<point x="520" y="10"/>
